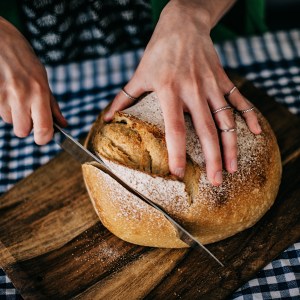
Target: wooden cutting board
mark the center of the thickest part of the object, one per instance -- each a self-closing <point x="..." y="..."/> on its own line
<point x="52" y="245"/>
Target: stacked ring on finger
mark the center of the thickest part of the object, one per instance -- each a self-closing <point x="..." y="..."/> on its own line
<point x="226" y="95"/>
<point x="129" y="96"/>
<point x="221" y="109"/>
<point x="246" y="110"/>
<point x="233" y="129"/>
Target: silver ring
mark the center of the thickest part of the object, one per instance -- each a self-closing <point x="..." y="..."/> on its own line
<point x="228" y="129"/>
<point x="221" y="108"/>
<point x="246" y="110"/>
<point x="230" y="92"/>
<point x="129" y="96"/>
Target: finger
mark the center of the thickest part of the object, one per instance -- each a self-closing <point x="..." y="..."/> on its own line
<point x="5" y="110"/>
<point x="56" y="112"/>
<point x="5" y="114"/>
<point x="42" y="121"/>
<point x="207" y="133"/>
<point x="224" y="119"/>
<point x="122" y="101"/>
<point x="241" y="103"/>
<point x="223" y="116"/>
<point x="21" y="120"/>
<point x="175" y="131"/>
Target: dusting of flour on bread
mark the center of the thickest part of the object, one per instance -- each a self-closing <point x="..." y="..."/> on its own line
<point x="149" y="110"/>
<point x="133" y="145"/>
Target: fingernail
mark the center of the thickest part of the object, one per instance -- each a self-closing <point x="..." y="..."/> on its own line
<point x="218" y="177"/>
<point x="179" y="172"/>
<point x="233" y="165"/>
<point x="258" y="128"/>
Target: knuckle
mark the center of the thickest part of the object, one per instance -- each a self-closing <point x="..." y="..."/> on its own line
<point x="20" y="90"/>
<point x="177" y="159"/>
<point x="37" y="87"/>
<point x="214" y="162"/>
<point x="21" y="132"/>
<point x="209" y="79"/>
<point x="230" y="146"/>
<point x="251" y="116"/>
<point x="225" y="120"/>
<point x="118" y="105"/>
<point x="16" y="85"/>
<point x="19" y="101"/>
<point x="177" y="129"/>
<point x="41" y="141"/>
<point x="6" y="117"/>
<point x="217" y="163"/>
<point x="168" y="84"/>
<point x="44" y="131"/>
<point x="239" y="101"/>
<point x="14" y="94"/>
<point x="43" y="135"/>
<point x="209" y="130"/>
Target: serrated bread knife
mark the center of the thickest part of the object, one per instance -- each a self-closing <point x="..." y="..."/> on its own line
<point x="69" y="144"/>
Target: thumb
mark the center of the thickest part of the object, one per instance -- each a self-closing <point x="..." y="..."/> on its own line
<point x="125" y="98"/>
<point x="56" y="112"/>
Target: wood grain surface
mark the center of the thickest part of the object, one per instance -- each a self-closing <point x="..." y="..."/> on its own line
<point x="52" y="245"/>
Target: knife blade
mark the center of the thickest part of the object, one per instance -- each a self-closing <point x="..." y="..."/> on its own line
<point x="83" y="155"/>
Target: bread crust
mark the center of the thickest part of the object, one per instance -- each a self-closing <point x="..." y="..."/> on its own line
<point x="209" y="213"/>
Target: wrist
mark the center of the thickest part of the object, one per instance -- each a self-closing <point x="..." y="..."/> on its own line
<point x="191" y="10"/>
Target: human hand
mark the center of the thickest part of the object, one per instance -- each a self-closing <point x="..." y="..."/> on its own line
<point x="181" y="65"/>
<point x="25" y="97"/>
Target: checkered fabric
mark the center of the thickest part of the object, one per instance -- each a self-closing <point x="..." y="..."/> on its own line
<point x="270" y="61"/>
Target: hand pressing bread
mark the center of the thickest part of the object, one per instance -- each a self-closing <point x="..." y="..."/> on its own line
<point x="134" y="147"/>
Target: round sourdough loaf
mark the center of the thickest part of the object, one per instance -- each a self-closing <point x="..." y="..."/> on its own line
<point x="133" y="146"/>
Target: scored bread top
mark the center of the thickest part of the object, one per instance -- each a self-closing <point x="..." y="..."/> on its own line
<point x="148" y="110"/>
<point x="136" y="139"/>
<point x="133" y="146"/>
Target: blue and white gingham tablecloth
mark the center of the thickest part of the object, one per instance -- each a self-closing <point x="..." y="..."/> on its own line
<point x="271" y="62"/>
